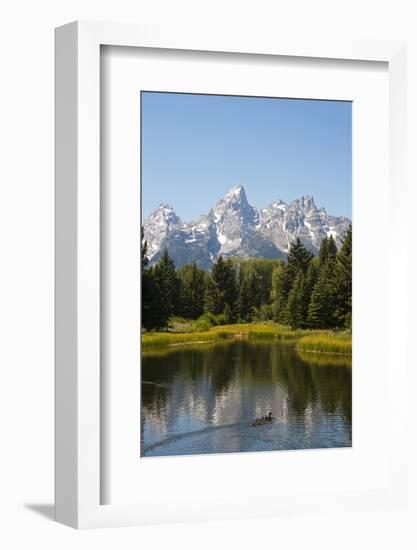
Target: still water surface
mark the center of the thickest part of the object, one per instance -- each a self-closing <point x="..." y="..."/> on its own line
<point x="203" y="399"/>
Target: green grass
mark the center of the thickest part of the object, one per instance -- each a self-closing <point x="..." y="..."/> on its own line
<point x="163" y="339"/>
<point x="190" y="335"/>
<point x="306" y="340"/>
<point x="325" y="359"/>
<point x="259" y="331"/>
<point x="326" y="342"/>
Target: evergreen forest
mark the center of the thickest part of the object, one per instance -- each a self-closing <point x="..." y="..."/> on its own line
<point x="303" y="292"/>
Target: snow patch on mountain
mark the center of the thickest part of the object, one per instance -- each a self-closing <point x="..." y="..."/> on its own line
<point x="236" y="228"/>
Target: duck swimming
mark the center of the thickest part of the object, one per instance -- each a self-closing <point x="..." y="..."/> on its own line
<point x="263" y="420"/>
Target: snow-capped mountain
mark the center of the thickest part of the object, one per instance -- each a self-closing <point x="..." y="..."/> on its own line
<point x="236" y="228"/>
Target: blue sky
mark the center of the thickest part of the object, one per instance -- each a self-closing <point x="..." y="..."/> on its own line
<point x="196" y="147"/>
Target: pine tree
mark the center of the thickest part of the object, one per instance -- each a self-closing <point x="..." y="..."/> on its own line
<point x="263" y="268"/>
<point x="168" y="285"/>
<point x="245" y="308"/>
<point x="323" y="252"/>
<point x="249" y="292"/>
<point x="299" y="258"/>
<point x="144" y="251"/>
<point x="213" y="297"/>
<point x="230" y="290"/>
<point x="154" y="314"/>
<point x="296" y="304"/>
<point x="331" y="249"/>
<point x="344" y="281"/>
<point x="311" y="277"/>
<point x="229" y="315"/>
<point x="218" y="273"/>
<point x="192" y="291"/>
<point x="298" y="261"/>
<point x="323" y="301"/>
<point x="222" y="289"/>
<point x="149" y="295"/>
<point x="321" y="311"/>
<point x="310" y="282"/>
<point x="282" y="281"/>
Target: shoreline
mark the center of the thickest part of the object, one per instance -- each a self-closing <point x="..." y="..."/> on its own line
<point x="344" y="354"/>
<point x="256" y="332"/>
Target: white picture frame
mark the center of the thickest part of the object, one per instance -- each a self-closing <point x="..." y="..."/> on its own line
<point x="78" y="405"/>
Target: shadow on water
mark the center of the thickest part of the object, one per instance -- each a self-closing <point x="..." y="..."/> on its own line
<point x="189" y="392"/>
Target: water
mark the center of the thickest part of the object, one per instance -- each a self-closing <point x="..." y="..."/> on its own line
<point x="203" y="399"/>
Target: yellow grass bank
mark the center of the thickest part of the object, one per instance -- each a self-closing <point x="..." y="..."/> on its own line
<point x="305" y="340"/>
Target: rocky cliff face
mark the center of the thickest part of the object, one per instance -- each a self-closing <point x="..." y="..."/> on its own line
<point x="236" y="228"/>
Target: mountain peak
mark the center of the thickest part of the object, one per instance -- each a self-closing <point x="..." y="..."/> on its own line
<point x="235" y="228"/>
<point x="306" y="201"/>
<point x="235" y="200"/>
<point x="165" y="207"/>
<point x="279" y="204"/>
<point x="238" y="191"/>
<point x="165" y="214"/>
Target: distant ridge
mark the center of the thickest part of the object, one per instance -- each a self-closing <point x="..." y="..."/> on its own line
<point x="236" y="228"/>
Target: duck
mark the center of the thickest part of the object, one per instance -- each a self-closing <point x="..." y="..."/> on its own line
<point x="263" y="420"/>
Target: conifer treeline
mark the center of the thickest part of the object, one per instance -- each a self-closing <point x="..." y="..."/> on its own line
<point x="304" y="291"/>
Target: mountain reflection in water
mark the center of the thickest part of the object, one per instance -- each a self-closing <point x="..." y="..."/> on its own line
<point x="203" y="399"/>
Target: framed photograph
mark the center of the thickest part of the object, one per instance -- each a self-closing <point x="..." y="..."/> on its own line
<point x="221" y="298"/>
<point x="246" y="311"/>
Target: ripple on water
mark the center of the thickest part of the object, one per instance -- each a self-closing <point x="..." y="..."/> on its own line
<point x="203" y="400"/>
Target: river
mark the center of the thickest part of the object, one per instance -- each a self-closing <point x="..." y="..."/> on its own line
<point x="203" y="399"/>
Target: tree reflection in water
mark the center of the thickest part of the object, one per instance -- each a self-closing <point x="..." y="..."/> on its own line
<point x="202" y="399"/>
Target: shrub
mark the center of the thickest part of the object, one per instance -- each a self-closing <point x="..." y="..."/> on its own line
<point x="209" y="318"/>
<point x="214" y="320"/>
<point x="201" y="325"/>
<point x="263" y="313"/>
